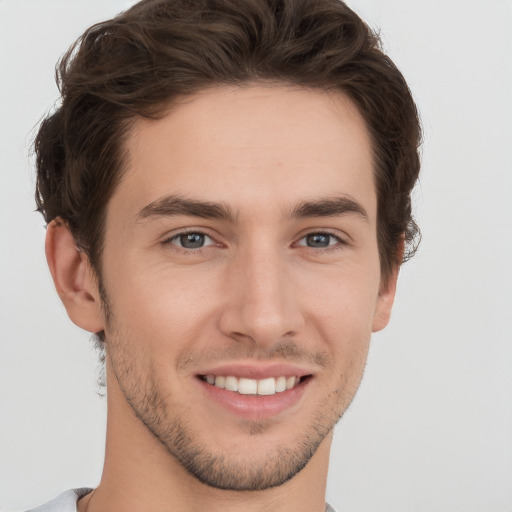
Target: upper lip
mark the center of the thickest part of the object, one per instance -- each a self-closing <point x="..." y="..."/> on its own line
<point x="256" y="370"/>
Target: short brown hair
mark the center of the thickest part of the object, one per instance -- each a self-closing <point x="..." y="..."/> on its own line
<point x="136" y="63"/>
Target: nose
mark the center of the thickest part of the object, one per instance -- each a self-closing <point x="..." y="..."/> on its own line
<point x="262" y="303"/>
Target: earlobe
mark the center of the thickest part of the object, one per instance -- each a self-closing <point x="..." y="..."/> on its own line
<point x="385" y="301"/>
<point x="387" y="293"/>
<point x="73" y="278"/>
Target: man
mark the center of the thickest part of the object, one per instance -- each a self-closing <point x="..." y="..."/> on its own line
<point x="227" y="191"/>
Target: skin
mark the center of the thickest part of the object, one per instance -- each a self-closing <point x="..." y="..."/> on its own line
<point x="259" y="292"/>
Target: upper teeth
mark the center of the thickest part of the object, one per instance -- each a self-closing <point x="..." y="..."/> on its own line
<point x="245" y="386"/>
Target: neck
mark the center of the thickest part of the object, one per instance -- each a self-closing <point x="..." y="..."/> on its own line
<point x="140" y="475"/>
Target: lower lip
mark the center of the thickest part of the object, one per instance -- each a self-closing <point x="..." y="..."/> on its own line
<point x="256" y="407"/>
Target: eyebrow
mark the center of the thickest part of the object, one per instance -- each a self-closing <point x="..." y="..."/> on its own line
<point x="329" y="207"/>
<point x="176" y="205"/>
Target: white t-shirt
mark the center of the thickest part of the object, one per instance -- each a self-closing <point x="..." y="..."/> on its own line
<point x="66" y="502"/>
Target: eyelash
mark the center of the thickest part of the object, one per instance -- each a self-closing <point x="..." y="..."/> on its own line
<point x="340" y="242"/>
<point x="184" y="250"/>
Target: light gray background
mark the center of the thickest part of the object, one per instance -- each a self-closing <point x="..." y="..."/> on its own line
<point x="431" y="427"/>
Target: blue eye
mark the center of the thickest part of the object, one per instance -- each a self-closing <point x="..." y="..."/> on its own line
<point x="319" y="240"/>
<point x="191" y="240"/>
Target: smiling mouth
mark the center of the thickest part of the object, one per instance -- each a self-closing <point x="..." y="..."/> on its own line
<point x="245" y="386"/>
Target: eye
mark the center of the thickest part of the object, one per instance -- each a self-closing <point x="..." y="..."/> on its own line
<point x="191" y="240"/>
<point x="320" y="240"/>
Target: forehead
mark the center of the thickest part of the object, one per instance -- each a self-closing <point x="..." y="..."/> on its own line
<point x="251" y="147"/>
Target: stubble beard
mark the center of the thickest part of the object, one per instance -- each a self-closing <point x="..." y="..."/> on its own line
<point x="227" y="472"/>
<point x="168" y="424"/>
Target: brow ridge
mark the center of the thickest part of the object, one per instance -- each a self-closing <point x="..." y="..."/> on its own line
<point x="329" y="207"/>
<point x="176" y="205"/>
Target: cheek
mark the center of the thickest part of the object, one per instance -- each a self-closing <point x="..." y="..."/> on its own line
<point x="342" y="317"/>
<point x="345" y="301"/>
<point x="160" y="306"/>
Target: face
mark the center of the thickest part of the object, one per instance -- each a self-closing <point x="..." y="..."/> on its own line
<point x="242" y="278"/>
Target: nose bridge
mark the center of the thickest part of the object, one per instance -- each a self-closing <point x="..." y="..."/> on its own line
<point x="262" y="304"/>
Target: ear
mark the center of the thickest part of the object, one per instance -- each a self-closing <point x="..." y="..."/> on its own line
<point x="73" y="277"/>
<point x="387" y="294"/>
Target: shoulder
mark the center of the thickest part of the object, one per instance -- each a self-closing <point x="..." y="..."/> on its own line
<point x="65" y="502"/>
